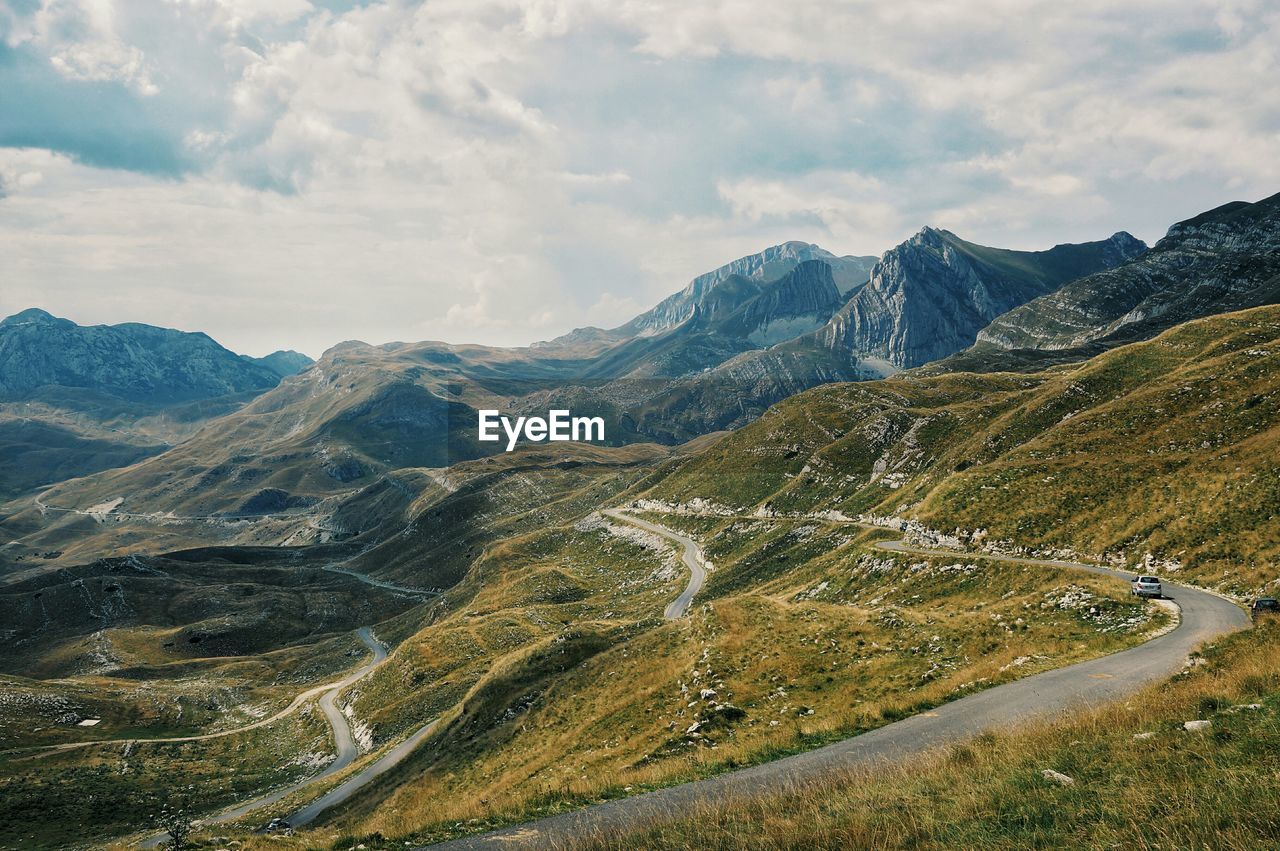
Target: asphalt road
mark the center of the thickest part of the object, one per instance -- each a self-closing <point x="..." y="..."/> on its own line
<point x="378" y="583"/>
<point x="329" y="690"/>
<point x="1204" y="616"/>
<point x="692" y="557"/>
<point x="357" y="781"/>
<point x="346" y="746"/>
<point x="343" y="741"/>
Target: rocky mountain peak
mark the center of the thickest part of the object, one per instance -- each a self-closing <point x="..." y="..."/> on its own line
<point x="928" y="236"/>
<point x="774" y="262"/>
<point x="1224" y="259"/>
<point x="929" y="296"/>
<point x="131" y="361"/>
<point x="34" y="316"/>
<point x="1126" y="243"/>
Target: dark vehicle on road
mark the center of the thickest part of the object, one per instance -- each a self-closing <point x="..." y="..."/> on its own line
<point x="1265" y="606"/>
<point x="278" y="824"/>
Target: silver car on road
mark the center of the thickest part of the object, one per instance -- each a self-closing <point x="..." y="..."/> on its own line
<point x="1147" y="586"/>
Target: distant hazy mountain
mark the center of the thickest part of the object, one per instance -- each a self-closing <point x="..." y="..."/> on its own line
<point x="927" y="298"/>
<point x="1225" y="259"/>
<point x="78" y="399"/>
<point x="847" y="273"/>
<point x="131" y="361"/>
<point x="738" y="314"/>
<point x="711" y="356"/>
<point x="283" y="363"/>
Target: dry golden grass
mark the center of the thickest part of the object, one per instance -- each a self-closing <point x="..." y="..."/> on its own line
<point x="597" y="711"/>
<point x="1169" y="447"/>
<point x="1177" y="789"/>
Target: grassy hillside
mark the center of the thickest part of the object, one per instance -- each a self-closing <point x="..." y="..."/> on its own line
<point x="478" y="503"/>
<point x="81" y="799"/>
<point x="38" y="453"/>
<point x="147" y="648"/>
<point x="557" y="684"/>
<point x="1168" y="448"/>
<point x="1140" y="779"/>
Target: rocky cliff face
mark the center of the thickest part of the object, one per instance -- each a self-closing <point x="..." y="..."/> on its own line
<point x="1225" y="259"/>
<point x="798" y="302"/>
<point x="738" y="315"/>
<point x="133" y="362"/>
<point x="847" y="273"/>
<point x="930" y="296"/>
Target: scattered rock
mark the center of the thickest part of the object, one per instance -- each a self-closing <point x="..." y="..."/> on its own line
<point x="1057" y="777"/>
<point x="1196" y="726"/>
<point x="1142" y="737"/>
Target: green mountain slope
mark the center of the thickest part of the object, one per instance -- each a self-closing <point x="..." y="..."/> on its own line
<point x="1167" y="448"/>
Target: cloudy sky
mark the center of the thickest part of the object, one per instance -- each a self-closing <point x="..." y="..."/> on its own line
<point x="285" y="173"/>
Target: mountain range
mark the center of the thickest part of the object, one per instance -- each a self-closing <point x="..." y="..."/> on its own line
<point x="76" y="399"/>
<point x="847" y="273"/>
<point x="134" y="362"/>
<point x="209" y="552"/>
<point x="712" y="356"/>
<point x="931" y="296"/>
<point x="1225" y="259"/>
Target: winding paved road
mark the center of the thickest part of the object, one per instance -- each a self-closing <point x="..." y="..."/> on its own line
<point x="344" y="744"/>
<point x="347" y="753"/>
<point x="378" y="583"/>
<point x="692" y="556"/>
<point x="357" y="781"/>
<point x="343" y="740"/>
<point x="1204" y="616"/>
<point x="362" y="633"/>
<point x="342" y="734"/>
